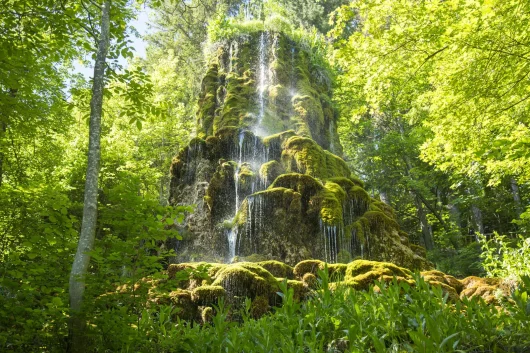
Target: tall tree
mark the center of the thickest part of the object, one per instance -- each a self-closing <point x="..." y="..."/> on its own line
<point x="88" y="226"/>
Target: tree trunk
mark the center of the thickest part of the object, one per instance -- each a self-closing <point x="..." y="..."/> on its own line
<point x="3" y="129"/>
<point x="426" y="228"/>
<point x="454" y="214"/>
<point x="516" y="197"/>
<point x="477" y="218"/>
<point x="88" y="226"/>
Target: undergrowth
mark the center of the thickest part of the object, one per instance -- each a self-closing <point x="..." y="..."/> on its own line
<point x="392" y="317"/>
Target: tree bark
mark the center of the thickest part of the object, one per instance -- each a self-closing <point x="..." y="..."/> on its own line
<point x="516" y="197"/>
<point x="3" y="130"/>
<point x="426" y="228"/>
<point x="88" y="225"/>
<point x="477" y="217"/>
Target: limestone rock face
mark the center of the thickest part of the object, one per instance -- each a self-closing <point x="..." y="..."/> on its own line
<point x="265" y="171"/>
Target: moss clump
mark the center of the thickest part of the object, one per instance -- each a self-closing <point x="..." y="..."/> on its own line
<point x="487" y="288"/>
<point x="207" y="314"/>
<point x="359" y="198"/>
<point x="220" y="191"/>
<point x="310" y="280"/>
<point x="418" y="250"/>
<point x="246" y="178"/>
<point x="277" y="268"/>
<point x="239" y="91"/>
<point x="274" y="143"/>
<point x="358" y="267"/>
<point x="379" y="206"/>
<point x="305" y="156"/>
<point x="380" y="221"/>
<point x="361" y="273"/>
<point x="306" y="185"/>
<point x="448" y="290"/>
<point x="259" y="306"/>
<point x="250" y="258"/>
<point x="307" y="266"/>
<point x="183" y="303"/>
<point x="214" y="268"/>
<point x="208" y="101"/>
<point x="337" y="272"/>
<point x="246" y="280"/>
<point x="172" y="269"/>
<point x="298" y="287"/>
<point x="270" y="171"/>
<point x="331" y="200"/>
<point x="437" y="276"/>
<point x="206" y="295"/>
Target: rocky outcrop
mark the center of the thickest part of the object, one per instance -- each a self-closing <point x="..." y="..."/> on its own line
<point x="265" y="172"/>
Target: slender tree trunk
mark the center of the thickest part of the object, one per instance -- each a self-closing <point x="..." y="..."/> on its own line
<point x="88" y="225"/>
<point x="3" y="129"/>
<point x="477" y="217"/>
<point x="516" y="197"/>
<point x="454" y="214"/>
<point x="426" y="228"/>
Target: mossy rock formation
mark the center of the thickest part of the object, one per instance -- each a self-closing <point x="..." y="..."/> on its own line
<point x="261" y="282"/>
<point x="265" y="171"/>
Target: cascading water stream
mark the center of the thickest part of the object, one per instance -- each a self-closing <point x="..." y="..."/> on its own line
<point x="262" y="83"/>
<point x="232" y="234"/>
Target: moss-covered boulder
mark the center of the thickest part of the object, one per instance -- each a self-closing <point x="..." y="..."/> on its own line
<point x="492" y="290"/>
<point x="207" y="295"/>
<point x="360" y="274"/>
<point x="246" y="280"/>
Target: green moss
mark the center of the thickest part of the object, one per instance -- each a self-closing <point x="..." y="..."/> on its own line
<point x="276" y="199"/>
<point x="357" y="181"/>
<point x="306" y="185"/>
<point x="377" y="205"/>
<point x="250" y="258"/>
<point x="206" y="295"/>
<point x="310" y="281"/>
<point x="246" y="279"/>
<point x="437" y="276"/>
<point x="208" y="101"/>
<point x="337" y="272"/>
<point x="278" y="139"/>
<point x="259" y="306"/>
<point x="237" y="102"/>
<point x="305" y="156"/>
<point x="246" y="177"/>
<point x="379" y="221"/>
<point x="207" y="314"/>
<point x="214" y="268"/>
<point x="299" y="290"/>
<point x="344" y="182"/>
<point x="270" y="171"/>
<point x="331" y="200"/>
<point x="181" y="300"/>
<point x="220" y="190"/>
<point x="277" y="268"/>
<point x="307" y="266"/>
<point x="362" y="273"/>
<point x="451" y="293"/>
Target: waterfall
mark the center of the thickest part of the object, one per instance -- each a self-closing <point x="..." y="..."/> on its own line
<point x="232" y="234"/>
<point x="262" y="83"/>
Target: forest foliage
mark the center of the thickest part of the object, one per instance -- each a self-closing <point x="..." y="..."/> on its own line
<point x="434" y="117"/>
